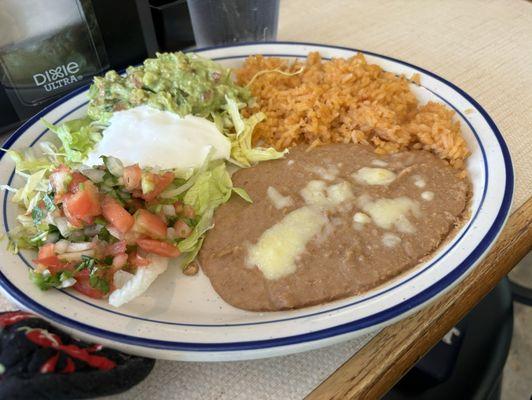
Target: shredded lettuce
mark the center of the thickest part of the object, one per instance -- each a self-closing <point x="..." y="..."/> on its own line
<point x="243" y="154"/>
<point x="212" y="188"/>
<point x="191" y="255"/>
<point x="33" y="191"/>
<point x="190" y="244"/>
<point x="234" y="112"/>
<point x="34" y="170"/>
<point x="242" y="193"/>
<point x="174" y="192"/>
<point x="77" y="136"/>
<point x="27" y="161"/>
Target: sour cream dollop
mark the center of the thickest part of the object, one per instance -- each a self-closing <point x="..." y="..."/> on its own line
<point x="162" y="139"/>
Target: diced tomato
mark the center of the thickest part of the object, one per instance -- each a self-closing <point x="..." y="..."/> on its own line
<point x="182" y="230"/>
<point x="46" y="251"/>
<point x="132" y="177"/>
<point x="47" y="258"/>
<point x="77" y="178"/>
<point x="117" y="215"/>
<point x="115" y="248"/>
<point x="136" y="260"/>
<point x="83" y="285"/>
<point x="52" y="263"/>
<point x="157" y="247"/>
<point x="82" y="205"/>
<point x="160" y="182"/>
<point x="120" y="260"/>
<point x="149" y="224"/>
<point x="71" y="218"/>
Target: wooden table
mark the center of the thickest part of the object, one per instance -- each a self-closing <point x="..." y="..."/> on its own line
<point x="485" y="48"/>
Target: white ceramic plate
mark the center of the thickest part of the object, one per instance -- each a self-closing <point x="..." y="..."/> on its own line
<point x="182" y="318"/>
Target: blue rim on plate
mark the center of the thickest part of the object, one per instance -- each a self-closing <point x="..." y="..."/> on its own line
<point x="352" y="326"/>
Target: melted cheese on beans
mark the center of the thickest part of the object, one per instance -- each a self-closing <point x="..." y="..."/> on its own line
<point x="278" y="200"/>
<point x="278" y="248"/>
<point x="389" y="213"/>
<point x="374" y="176"/>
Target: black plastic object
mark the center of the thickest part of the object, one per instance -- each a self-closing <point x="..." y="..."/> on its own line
<point x="172" y="24"/>
<point x="8" y="117"/>
<point x="127" y="31"/>
<point x="38" y="361"/>
<point x="522" y="294"/>
<point x="437" y="366"/>
<point x="476" y="373"/>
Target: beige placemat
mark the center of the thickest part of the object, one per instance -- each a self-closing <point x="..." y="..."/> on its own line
<point x="485" y="47"/>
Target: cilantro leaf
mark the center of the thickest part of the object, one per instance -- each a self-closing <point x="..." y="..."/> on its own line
<point x="45" y="280"/>
<point x="95" y="280"/>
<point x="37" y="214"/>
<point x="99" y="283"/>
<point x="49" y="203"/>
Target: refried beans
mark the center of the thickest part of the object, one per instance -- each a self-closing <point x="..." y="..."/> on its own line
<point x="328" y="223"/>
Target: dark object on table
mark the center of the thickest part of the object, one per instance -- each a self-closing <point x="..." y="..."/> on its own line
<point x="172" y="24"/>
<point x="521" y="281"/>
<point x="476" y="371"/>
<point x="38" y="361"/>
<point x="522" y="294"/>
<point x="74" y="40"/>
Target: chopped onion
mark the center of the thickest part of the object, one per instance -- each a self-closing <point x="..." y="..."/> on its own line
<point x="49" y="218"/>
<point x="170" y="234"/>
<point x="79" y="246"/>
<point x="115" y="232"/>
<point x="62" y="225"/>
<point x="92" y="230"/>
<point x="121" y="277"/>
<point x="105" y="188"/>
<point x="134" y="286"/>
<point x="61" y="246"/>
<point x="67" y="283"/>
<point x="168" y="210"/>
<point x="52" y="237"/>
<point x="95" y="175"/>
<point x="114" y="165"/>
<point x="76" y="256"/>
<point x="77" y="236"/>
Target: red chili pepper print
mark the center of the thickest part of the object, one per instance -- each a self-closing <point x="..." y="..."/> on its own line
<point x="11" y="318"/>
<point x="49" y="365"/>
<point x="43" y="338"/>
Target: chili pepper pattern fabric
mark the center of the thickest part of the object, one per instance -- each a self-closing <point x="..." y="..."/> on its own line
<point x="38" y="361"/>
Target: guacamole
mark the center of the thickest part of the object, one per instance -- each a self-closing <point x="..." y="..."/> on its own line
<point x="178" y="82"/>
